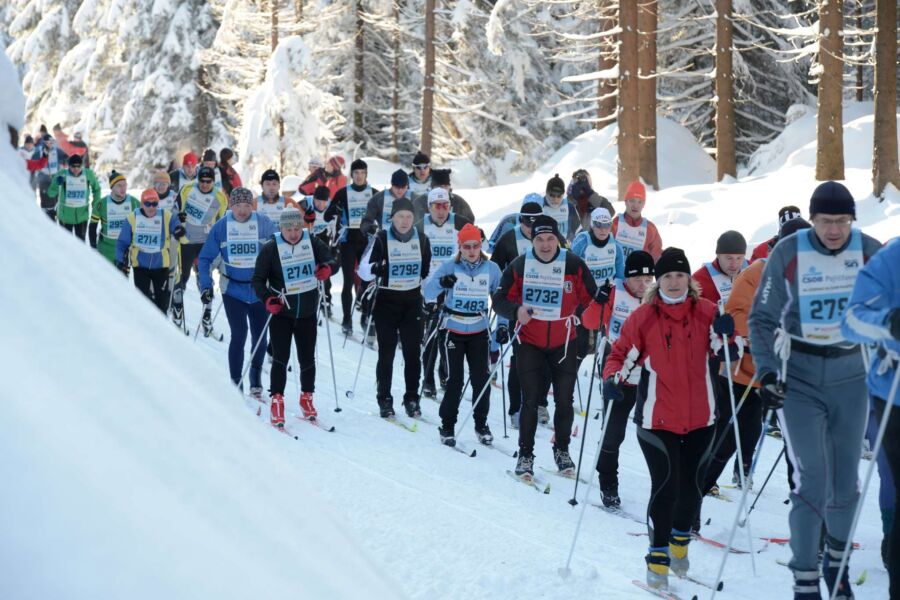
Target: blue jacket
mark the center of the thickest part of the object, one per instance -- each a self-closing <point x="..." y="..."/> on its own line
<point x="580" y="244"/>
<point x="236" y="281"/>
<point x="505" y="224"/>
<point x="463" y="268"/>
<point x="148" y="260"/>
<point x="875" y="294"/>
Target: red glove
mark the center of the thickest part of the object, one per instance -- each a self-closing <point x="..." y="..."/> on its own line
<point x="274" y="304"/>
<point x="323" y="272"/>
<point x="590" y="318"/>
<point x="309" y="217"/>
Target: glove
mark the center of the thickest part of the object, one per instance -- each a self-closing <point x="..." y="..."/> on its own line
<point x="274" y="304"/>
<point x="309" y="217"/>
<point x="612" y="390"/>
<point x="377" y="269"/>
<point x="723" y="325"/>
<point x="431" y="308"/>
<point x="52" y="213"/>
<point x="122" y="266"/>
<point x="182" y="216"/>
<point x="590" y="318"/>
<point x="323" y="272"/>
<point x="502" y="335"/>
<point x="894" y="323"/>
<point x="45" y="151"/>
<point x="179" y="232"/>
<point x="206" y="296"/>
<point x="60" y="180"/>
<point x="771" y="391"/>
<point x="447" y="281"/>
<point x="603" y="292"/>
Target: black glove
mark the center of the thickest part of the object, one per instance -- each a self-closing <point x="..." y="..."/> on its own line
<point x="182" y="216"/>
<point x="179" y="232"/>
<point x="309" y="217"/>
<point x="60" y="179"/>
<point x="771" y="391"/>
<point x="447" y="281"/>
<point x="377" y="269"/>
<point x="502" y="335"/>
<point x="206" y="296"/>
<point x="603" y="292"/>
<point x="45" y="151"/>
<point x="122" y="266"/>
<point x="612" y="390"/>
<point x="431" y="308"/>
<point x="723" y="325"/>
<point x="894" y="321"/>
<point x="51" y="212"/>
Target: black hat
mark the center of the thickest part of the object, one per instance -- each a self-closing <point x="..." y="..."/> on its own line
<point x="321" y="193"/>
<point x="792" y="226"/>
<point x="359" y="165"/>
<point x="75" y="160"/>
<point x="269" y="175"/>
<point x="421" y="159"/>
<point x="440" y="177"/>
<point x="399" y="204"/>
<point x="399" y="179"/>
<point x="209" y="155"/>
<point x="46" y="137"/>
<point x="731" y="242"/>
<point x="29" y="139"/>
<point x="672" y="260"/>
<point x="639" y="263"/>
<point x="832" y="198"/>
<point x="544" y="224"/>
<point x="206" y="173"/>
<point x="556" y="185"/>
<point x="529" y="212"/>
<point x="115" y="177"/>
<point x="787" y="213"/>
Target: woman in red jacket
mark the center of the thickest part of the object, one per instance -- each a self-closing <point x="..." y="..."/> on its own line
<point x="672" y="336"/>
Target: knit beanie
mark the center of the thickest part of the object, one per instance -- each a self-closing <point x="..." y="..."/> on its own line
<point x="76" y="160"/>
<point x="269" y="175"/>
<point x="832" y="198"/>
<point x="788" y="213"/>
<point x="189" y="160"/>
<point x="792" y="226"/>
<point x="161" y="176"/>
<point x="399" y="179"/>
<point x="639" y="263"/>
<point x="440" y="177"/>
<point x="469" y="233"/>
<point x="600" y="215"/>
<point x="529" y="212"/>
<point x="731" y="242"/>
<point x="399" y="204"/>
<point x="209" y="155"/>
<point x="672" y="260"/>
<point x="544" y="224"/>
<point x="321" y="193"/>
<point x="556" y="186"/>
<point x="115" y="177"/>
<point x="421" y="159"/>
<point x="290" y="217"/>
<point x="316" y="161"/>
<point x="336" y="163"/>
<point x="637" y="190"/>
<point x="149" y="195"/>
<point x="240" y="195"/>
<point x="206" y="173"/>
<point x="359" y="165"/>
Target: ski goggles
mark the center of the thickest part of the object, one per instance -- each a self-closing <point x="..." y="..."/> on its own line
<point x="150" y="203"/>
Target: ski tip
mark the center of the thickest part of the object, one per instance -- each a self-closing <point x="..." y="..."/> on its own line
<point x="564" y="572"/>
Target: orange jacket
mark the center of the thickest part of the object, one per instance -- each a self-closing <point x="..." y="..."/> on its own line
<point x="738" y="306"/>
<point x="653" y="243"/>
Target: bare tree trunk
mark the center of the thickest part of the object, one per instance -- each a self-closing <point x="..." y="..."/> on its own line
<point x="395" y="96"/>
<point x="726" y="161"/>
<point x="859" y="67"/>
<point x="428" y="91"/>
<point x="647" y="20"/>
<point x="273" y="4"/>
<point x="606" y="104"/>
<point x="629" y="125"/>
<point x="885" y="168"/>
<point x="830" y="123"/>
<point x="358" y="72"/>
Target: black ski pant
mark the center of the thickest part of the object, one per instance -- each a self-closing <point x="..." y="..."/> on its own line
<point x="472" y="349"/>
<point x="608" y="463"/>
<point x="351" y="253"/>
<point x="677" y="464"/>
<point x="891" y="447"/>
<point x="515" y="389"/>
<point x="398" y="318"/>
<point x="79" y="229"/>
<point x="303" y="331"/>
<point x="189" y="253"/>
<point x="532" y="364"/>
<point x="749" y="421"/>
<point x="434" y="348"/>
<point x="153" y="283"/>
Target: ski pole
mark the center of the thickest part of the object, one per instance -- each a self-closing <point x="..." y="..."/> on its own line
<point x="469" y="378"/>
<point x="259" y="341"/>
<point x="882" y="427"/>
<point x="337" y="405"/>
<point x="503" y="391"/>
<point x="429" y="352"/>
<point x="733" y="417"/>
<point x="759" y="493"/>
<point x="360" y="298"/>
<point x="350" y="393"/>
<point x="197" y="332"/>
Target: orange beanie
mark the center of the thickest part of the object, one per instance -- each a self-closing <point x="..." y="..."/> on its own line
<point x="637" y="190"/>
<point x="469" y="233"/>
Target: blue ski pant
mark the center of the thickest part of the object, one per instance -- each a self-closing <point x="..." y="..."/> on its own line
<point x="240" y="315"/>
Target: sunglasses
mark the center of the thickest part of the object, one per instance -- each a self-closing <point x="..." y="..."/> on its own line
<point x="602" y="224"/>
<point x="441" y="204"/>
<point x="471" y="246"/>
<point x="420" y="167"/>
<point x="160" y="184"/>
<point x="554" y="195"/>
<point x="206" y="181"/>
<point x="146" y="203"/>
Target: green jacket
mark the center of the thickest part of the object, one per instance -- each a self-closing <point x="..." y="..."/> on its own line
<point x="74" y="195"/>
<point x="110" y="227"/>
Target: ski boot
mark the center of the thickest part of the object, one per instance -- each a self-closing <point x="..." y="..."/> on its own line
<point x="543" y="415"/>
<point x="834" y="553"/>
<point x="609" y="494"/>
<point x="178" y="315"/>
<point x="256" y="393"/>
<point x="428" y="390"/>
<point x="658" y="568"/>
<point x="563" y="461"/>
<point x="484" y="435"/>
<point x="347" y="328"/>
<point x="736" y="478"/>
<point x="206" y="323"/>
<point x="277" y="410"/>
<point x="306" y="405"/>
<point x="411" y="406"/>
<point x="806" y="585"/>
<point x="525" y="467"/>
<point x="713" y="491"/>
<point x="447" y="436"/>
<point x="386" y="407"/>
<point x="678" y="552"/>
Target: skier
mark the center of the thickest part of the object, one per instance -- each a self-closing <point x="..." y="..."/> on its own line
<point x="633" y="231"/>
<point x="334" y="177"/>
<point x="321" y="222"/>
<point x="467" y="280"/>
<point x="229" y="176"/>
<point x="440" y="226"/>
<point x="237" y="239"/>
<point x="675" y="404"/>
<point x="351" y="202"/>
<point x="557" y="206"/>
<point x="762" y="249"/>
<point x="285" y="279"/>
<point x="599" y="250"/>
<point x="420" y="176"/>
<point x="187" y="174"/>
<point x="168" y="199"/>
<point x="399" y="258"/>
<point x="624" y="299"/>
<point x="815" y="377"/>
<point x="440" y="178"/>
<point x="111" y="213"/>
<point x="146" y="237"/>
<point x="211" y="161"/>
<point x="378" y="210"/>
<point x="75" y="188"/>
<point x="585" y="199"/>
<point x="56" y="161"/>
<point x="201" y="206"/>
<point x="314" y="178"/>
<point x="716" y="278"/>
<point x="873" y="317"/>
<point x="544" y="290"/>
<point x="510" y="221"/>
<point x="269" y="202"/>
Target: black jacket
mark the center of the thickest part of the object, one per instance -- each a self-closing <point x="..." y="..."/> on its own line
<point x="379" y="256"/>
<point x="458" y="206"/>
<point x="268" y="278"/>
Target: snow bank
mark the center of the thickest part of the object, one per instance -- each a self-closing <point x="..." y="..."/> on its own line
<point x="131" y="466"/>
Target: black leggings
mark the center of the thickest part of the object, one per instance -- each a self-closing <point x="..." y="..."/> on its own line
<point x="608" y="463"/>
<point x="515" y="390"/>
<point x="351" y="252"/>
<point x="303" y="330"/>
<point x="79" y="229"/>
<point x="434" y="348"/>
<point x="891" y="447"/>
<point x="398" y="321"/>
<point x="153" y="283"/>
<point x="749" y="420"/>
<point x="533" y="365"/>
<point x="473" y="349"/>
<point x="677" y="464"/>
<point x="189" y="253"/>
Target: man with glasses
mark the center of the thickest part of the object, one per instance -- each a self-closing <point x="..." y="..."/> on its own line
<point x="111" y="214"/>
<point x="186" y="174"/>
<point x="420" y="176"/>
<point x="72" y="189"/>
<point x="201" y="206"/>
<point x="815" y="378"/>
<point x="631" y="229"/>
<point x="562" y="211"/>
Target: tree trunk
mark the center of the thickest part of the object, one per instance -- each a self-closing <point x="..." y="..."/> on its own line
<point x="606" y="103"/>
<point x="830" y="123"/>
<point x="629" y="125"/>
<point x="298" y="10"/>
<point x="859" y="67"/>
<point x="358" y="72"/>
<point x="395" y="96"/>
<point x="428" y="90"/>
<point x="273" y="4"/>
<point x="726" y="161"/>
<point x="885" y="168"/>
<point x="647" y="20"/>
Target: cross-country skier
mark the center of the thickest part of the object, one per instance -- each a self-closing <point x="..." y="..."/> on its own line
<point x="468" y="280"/>
<point x="56" y="161"/>
<point x="270" y="203"/>
<point x="631" y="229"/>
<point x="111" y="213"/>
<point x="671" y="336"/>
<point x="285" y="279"/>
<point x="399" y="258"/>
<point x="334" y="175"/>
<point x="420" y="176"/>
<point x="787" y="213"/>
<point x="440" y="179"/>
<point x="378" y="210"/>
<point x="76" y="188"/>
<point x="187" y="174"/>
<point x="806" y="366"/>
<point x="322" y="221"/>
<point x="237" y="239"/>
<point x="557" y="206"/>
<point x="510" y="221"/>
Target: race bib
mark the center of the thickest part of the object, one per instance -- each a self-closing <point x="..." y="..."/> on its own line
<point x="523" y="244"/>
<point x="197" y="206"/>
<point x="560" y="214"/>
<point x="601" y="261"/>
<point x="443" y="240"/>
<point x="386" y="207"/>
<point x="116" y="217"/>
<point x="723" y="282"/>
<point x="242" y="241"/>
<point x="543" y="286"/>
<point x="404" y="261"/>
<point x="631" y="238"/>
<point x="321" y="224"/>
<point x="623" y="306"/>
<point x="167" y="203"/>
<point x="357" y="202"/>
<point x="148" y="235"/>
<point x="470" y="295"/>
<point x="271" y="210"/>
<point x="298" y="265"/>
<point x="76" y="191"/>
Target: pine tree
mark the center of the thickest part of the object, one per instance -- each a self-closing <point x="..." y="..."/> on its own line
<point x="628" y="142"/>
<point x="830" y="124"/>
<point x="885" y="168"/>
<point x="726" y="161"/>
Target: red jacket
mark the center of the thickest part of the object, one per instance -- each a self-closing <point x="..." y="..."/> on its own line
<point x="708" y="289"/>
<point x="762" y="249"/>
<point x="578" y="291"/>
<point x="673" y="344"/>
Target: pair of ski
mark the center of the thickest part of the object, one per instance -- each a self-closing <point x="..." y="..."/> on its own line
<point x="536" y="483"/>
<point x="669" y="594"/>
<point x="705" y="540"/>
